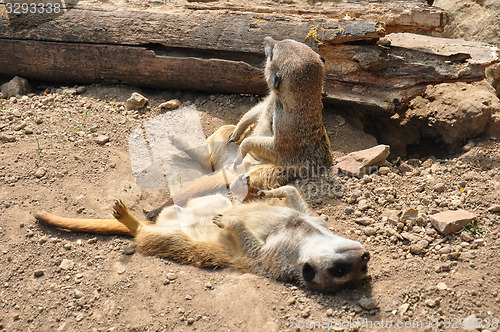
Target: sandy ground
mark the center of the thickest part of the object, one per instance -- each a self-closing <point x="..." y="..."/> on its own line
<point x="51" y="280"/>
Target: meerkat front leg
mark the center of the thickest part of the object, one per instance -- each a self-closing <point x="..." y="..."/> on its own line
<point x="123" y="215"/>
<point x="248" y="119"/>
<point x="260" y="147"/>
<point x="250" y="245"/>
<point x="293" y="197"/>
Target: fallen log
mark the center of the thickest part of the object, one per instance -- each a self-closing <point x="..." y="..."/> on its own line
<point x="218" y="48"/>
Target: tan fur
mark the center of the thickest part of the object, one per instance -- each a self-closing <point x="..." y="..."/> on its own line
<point x="276" y="238"/>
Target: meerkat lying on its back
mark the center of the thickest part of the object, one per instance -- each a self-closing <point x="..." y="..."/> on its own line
<point x="274" y="238"/>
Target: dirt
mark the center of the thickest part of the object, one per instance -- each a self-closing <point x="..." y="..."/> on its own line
<point x="53" y="280"/>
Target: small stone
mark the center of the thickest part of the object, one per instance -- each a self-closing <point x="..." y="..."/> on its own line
<point x="403" y="308"/>
<point x="67" y="246"/>
<point x="16" y="86"/>
<point x="441" y="286"/>
<point x="449" y="222"/>
<point x="466" y="236"/>
<point x="136" y="101"/>
<point x="365" y="221"/>
<point x="129" y="250"/>
<point x="188" y="297"/>
<point x="38" y="273"/>
<point x="40" y="172"/>
<point x="363" y="205"/>
<point x="102" y="139"/>
<point x="7" y="138"/>
<point x="146" y="208"/>
<point x="81" y="89"/>
<point x="190" y="320"/>
<point x="329" y="312"/>
<point x="92" y="240"/>
<point x="121" y="270"/>
<point x="209" y="286"/>
<point x="368" y="303"/>
<point x="471" y="323"/>
<point x="494" y="208"/>
<point x="439" y="187"/>
<point x="468" y="146"/>
<point x="384" y="170"/>
<point x="363" y="162"/>
<point x="77" y="293"/>
<point x="419" y="247"/>
<point x="171" y="276"/>
<point x="479" y="242"/>
<point x="370" y="231"/>
<point x="430" y="303"/>
<point x="67" y="264"/>
<point x="349" y="210"/>
<point x="171" y="104"/>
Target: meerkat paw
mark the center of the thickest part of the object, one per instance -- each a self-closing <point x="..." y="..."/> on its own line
<point x="119" y="209"/>
<point x="217" y="220"/>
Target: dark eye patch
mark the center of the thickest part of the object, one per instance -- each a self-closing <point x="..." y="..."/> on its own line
<point x="275" y="81"/>
<point x="308" y="272"/>
<point x="322" y="59"/>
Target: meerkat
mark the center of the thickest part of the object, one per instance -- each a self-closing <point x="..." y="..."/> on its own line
<point x="280" y="138"/>
<point x="270" y="237"/>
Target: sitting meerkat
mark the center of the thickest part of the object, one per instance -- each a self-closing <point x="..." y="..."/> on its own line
<point x="279" y="139"/>
<point x="274" y="238"/>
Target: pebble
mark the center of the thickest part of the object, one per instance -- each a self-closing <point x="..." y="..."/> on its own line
<point x="403" y="308"/>
<point x="67" y="264"/>
<point x="40" y="172"/>
<point x="370" y="231"/>
<point x="430" y="303"/>
<point x="365" y="221"/>
<point x="449" y="222"/>
<point x="77" y="293"/>
<point x="329" y="312"/>
<point x="102" y="139"/>
<point x="384" y="170"/>
<point x="121" y="270"/>
<point x="81" y="89"/>
<point x="67" y="246"/>
<point x="466" y="236"/>
<point x="368" y="303"/>
<point x="38" y="273"/>
<point x="419" y="247"/>
<point x="439" y="187"/>
<point x="494" y="208"/>
<point x="171" y="104"/>
<point x="136" y="101"/>
<point x="363" y="204"/>
<point x="441" y="286"/>
<point x="92" y="240"/>
<point x="171" y="276"/>
<point x="129" y="250"/>
<point x="7" y="138"/>
<point x="468" y="146"/>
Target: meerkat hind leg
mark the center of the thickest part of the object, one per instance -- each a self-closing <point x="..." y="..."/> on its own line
<point x="123" y="215"/>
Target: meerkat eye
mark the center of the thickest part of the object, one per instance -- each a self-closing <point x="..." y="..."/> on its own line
<point x="308" y="272"/>
<point x="275" y="81"/>
<point x="322" y="59"/>
<point x="340" y="270"/>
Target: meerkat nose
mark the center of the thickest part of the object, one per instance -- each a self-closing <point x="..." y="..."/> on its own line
<point x="365" y="256"/>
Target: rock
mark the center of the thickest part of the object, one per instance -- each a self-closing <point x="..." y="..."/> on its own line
<point x="439" y="187"/>
<point x="77" y="293"/>
<point x="363" y="205"/>
<point x="365" y="221"/>
<point x="136" y="101"/>
<point x="403" y="308"/>
<point x="129" y="250"/>
<point x="368" y="303"/>
<point x="370" y="231"/>
<point x="469" y="146"/>
<point x="171" y="276"/>
<point x="441" y="286"/>
<point x="384" y="170"/>
<point x="449" y="222"/>
<point x="430" y="303"/>
<point x="493" y="128"/>
<point x="40" y="172"/>
<point x="146" y="208"/>
<point x="329" y="312"/>
<point x="102" y="139"/>
<point x="7" y="138"/>
<point x="494" y="208"/>
<point x="419" y="247"/>
<point x="171" y="104"/>
<point x="67" y="264"/>
<point x="466" y="236"/>
<point x="363" y="162"/>
<point x="3" y="95"/>
<point x="16" y="86"/>
<point x="38" y="273"/>
<point x="81" y="89"/>
<point x="409" y="214"/>
<point x="67" y="246"/>
<point x="471" y="323"/>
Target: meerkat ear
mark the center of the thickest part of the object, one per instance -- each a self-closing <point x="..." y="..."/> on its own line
<point x="268" y="47"/>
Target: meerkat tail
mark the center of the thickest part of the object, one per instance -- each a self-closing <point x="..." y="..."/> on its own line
<point x="98" y="226"/>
